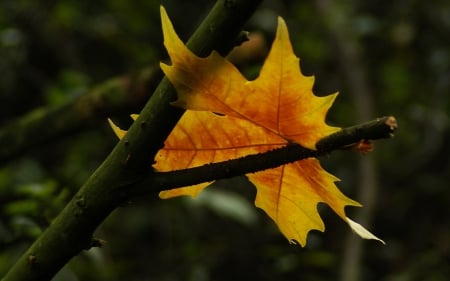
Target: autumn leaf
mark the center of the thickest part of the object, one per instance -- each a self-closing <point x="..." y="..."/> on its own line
<point x="228" y="117"/>
<point x="280" y="100"/>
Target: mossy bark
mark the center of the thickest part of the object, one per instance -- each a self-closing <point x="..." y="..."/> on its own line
<point x="129" y="162"/>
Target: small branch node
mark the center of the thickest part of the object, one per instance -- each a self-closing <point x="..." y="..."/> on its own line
<point x="80" y="201"/>
<point x="32" y="260"/>
<point x="126" y="160"/>
<point x="392" y="123"/>
<point x="97" y="243"/>
<point x="242" y="37"/>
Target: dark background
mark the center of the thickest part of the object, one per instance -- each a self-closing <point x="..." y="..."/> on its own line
<point x="384" y="57"/>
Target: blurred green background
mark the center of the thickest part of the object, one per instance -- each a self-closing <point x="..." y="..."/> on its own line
<point x="384" y="57"/>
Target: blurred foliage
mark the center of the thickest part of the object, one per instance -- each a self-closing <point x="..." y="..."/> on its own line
<point x="54" y="50"/>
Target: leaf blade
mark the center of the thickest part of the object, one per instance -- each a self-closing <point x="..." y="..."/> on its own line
<point x="255" y="116"/>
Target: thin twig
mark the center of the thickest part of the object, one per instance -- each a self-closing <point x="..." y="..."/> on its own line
<point x="380" y="128"/>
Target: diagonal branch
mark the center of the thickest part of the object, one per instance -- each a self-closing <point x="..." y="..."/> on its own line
<point x="380" y="128"/>
<point x="72" y="230"/>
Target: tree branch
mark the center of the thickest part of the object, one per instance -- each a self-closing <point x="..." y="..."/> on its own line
<point x="380" y="128"/>
<point x="72" y="230"/>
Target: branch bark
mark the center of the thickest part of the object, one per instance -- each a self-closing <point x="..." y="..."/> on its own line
<point x="380" y="128"/>
<point x="72" y="230"/>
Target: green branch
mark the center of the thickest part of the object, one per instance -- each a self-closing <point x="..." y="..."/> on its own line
<point x="380" y="128"/>
<point x="72" y="230"/>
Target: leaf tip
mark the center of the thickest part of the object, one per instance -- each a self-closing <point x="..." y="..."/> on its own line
<point x="171" y="39"/>
<point x="282" y="33"/>
<point x="361" y="231"/>
<point x="166" y="24"/>
<point x="163" y="13"/>
<point x="281" y="24"/>
<point x="119" y="132"/>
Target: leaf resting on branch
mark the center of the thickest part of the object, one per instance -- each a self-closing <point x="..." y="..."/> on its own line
<point x="276" y="110"/>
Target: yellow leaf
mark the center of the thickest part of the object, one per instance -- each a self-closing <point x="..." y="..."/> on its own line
<point x="202" y="137"/>
<point x="119" y="132"/>
<point x="289" y="195"/>
<point x="280" y="99"/>
<point x="229" y="117"/>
